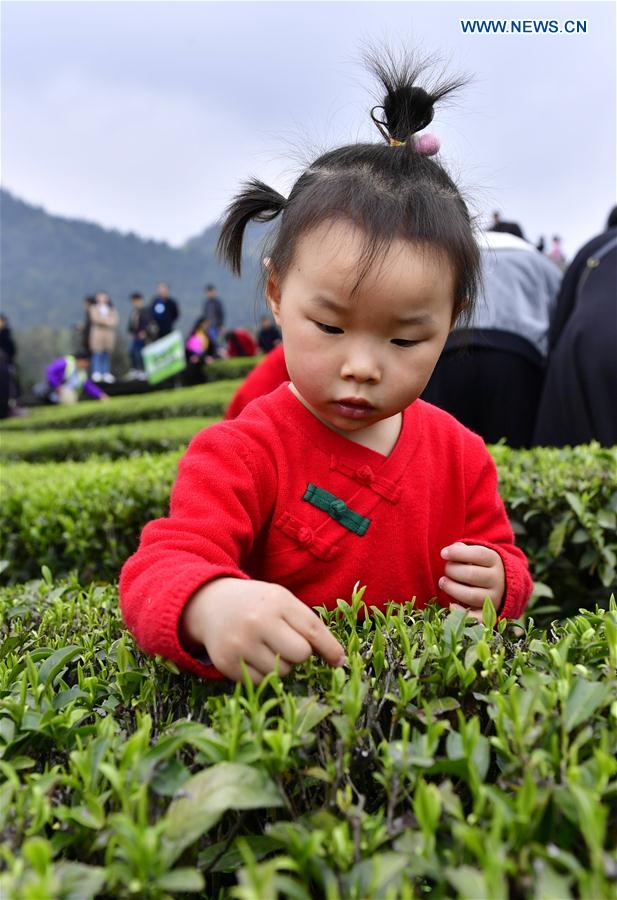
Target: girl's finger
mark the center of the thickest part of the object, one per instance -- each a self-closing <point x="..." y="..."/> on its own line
<point x="255" y="676"/>
<point x="468" y="596"/>
<point x="471" y="553"/>
<point x="310" y="626"/>
<point x="264" y="661"/>
<point x="283" y="639"/>
<point x="476" y="576"/>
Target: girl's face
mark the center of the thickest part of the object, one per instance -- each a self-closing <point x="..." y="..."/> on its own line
<point x="361" y="349"/>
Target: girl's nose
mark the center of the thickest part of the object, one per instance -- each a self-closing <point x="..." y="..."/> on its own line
<point x="361" y="365"/>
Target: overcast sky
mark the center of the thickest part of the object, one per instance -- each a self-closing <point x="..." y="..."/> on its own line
<point x="147" y="116"/>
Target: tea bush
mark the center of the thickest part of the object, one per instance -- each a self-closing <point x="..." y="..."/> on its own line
<point x="108" y="441"/>
<point x="235" y="367"/>
<point x="202" y="400"/>
<point x="448" y="757"/>
<point x="88" y="516"/>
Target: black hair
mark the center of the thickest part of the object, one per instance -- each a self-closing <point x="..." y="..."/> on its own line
<point x="210" y="287"/>
<point x="197" y="324"/>
<point x="612" y="218"/>
<point x="509" y="228"/>
<point x="81" y="354"/>
<point x="389" y="192"/>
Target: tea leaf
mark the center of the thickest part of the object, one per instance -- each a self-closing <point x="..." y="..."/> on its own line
<point x="585" y="697"/>
<point x="208" y="795"/>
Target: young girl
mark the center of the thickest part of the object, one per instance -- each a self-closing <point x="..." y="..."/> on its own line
<point x="341" y="474"/>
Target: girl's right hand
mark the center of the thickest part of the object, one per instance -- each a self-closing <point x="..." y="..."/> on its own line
<point x="239" y="619"/>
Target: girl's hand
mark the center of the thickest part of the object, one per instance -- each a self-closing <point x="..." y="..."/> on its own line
<point x="473" y="572"/>
<point x="255" y="621"/>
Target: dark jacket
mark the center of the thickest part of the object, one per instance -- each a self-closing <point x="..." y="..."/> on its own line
<point x="164" y="311"/>
<point x="7" y="344"/>
<point x="269" y="337"/>
<point x="578" y="400"/>
<point x="213" y="310"/>
<point x="140" y="320"/>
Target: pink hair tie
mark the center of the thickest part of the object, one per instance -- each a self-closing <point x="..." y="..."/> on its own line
<point x="427" y="144"/>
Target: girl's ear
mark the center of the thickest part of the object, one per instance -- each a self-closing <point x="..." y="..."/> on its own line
<point x="273" y="290"/>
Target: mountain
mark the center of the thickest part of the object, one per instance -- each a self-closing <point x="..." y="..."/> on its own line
<point x="50" y="263"/>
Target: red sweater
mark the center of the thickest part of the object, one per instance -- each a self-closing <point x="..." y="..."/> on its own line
<point x="253" y="499"/>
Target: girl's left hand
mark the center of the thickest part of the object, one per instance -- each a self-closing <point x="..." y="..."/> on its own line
<point x="473" y="572"/>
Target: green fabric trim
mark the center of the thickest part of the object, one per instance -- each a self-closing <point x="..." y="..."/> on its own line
<point x="336" y="508"/>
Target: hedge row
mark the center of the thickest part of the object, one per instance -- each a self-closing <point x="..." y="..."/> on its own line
<point x="447" y="758"/>
<point x="226" y="369"/>
<point x="88" y="516"/>
<point x="109" y="441"/>
<point x="201" y="400"/>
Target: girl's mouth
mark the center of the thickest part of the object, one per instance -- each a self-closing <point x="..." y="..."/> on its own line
<point x="353" y="410"/>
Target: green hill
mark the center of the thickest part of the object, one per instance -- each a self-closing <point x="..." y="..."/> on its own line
<point x="49" y="263"/>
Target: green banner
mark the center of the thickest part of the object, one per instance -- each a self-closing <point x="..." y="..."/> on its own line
<point x="164" y="357"/>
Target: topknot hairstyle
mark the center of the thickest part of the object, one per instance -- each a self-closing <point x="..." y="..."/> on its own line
<point x="388" y="192"/>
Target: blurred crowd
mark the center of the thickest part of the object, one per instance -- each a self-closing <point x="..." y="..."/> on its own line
<point x="87" y="370"/>
<point x="537" y="365"/>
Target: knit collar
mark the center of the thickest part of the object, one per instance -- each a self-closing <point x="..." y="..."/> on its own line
<point x="293" y="412"/>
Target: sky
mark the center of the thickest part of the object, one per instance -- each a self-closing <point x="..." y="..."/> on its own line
<point x="147" y="117"/>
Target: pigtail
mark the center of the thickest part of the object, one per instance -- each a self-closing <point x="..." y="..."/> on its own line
<point x="256" y="202"/>
<point x="407" y="108"/>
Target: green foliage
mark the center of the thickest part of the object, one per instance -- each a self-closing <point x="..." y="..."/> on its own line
<point x="108" y="441"/>
<point x="88" y="516"/>
<point x="562" y="504"/>
<point x="447" y="757"/>
<point x="201" y="400"/>
<point x="234" y="367"/>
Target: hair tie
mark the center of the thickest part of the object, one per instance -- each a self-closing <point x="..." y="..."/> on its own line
<point x="427" y="144"/>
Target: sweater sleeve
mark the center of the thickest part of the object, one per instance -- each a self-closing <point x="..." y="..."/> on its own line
<point x="55" y="373"/>
<point x="219" y="503"/>
<point x="487" y="524"/>
<point x="93" y="390"/>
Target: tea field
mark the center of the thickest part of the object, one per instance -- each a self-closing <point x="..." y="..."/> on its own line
<point x="449" y="758"/>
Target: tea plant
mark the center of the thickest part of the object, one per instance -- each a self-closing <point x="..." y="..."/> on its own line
<point x="449" y="757"/>
<point x="105" y="441"/>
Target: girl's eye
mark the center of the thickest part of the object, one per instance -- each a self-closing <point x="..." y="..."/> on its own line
<point x="332" y="329"/>
<point x="329" y="329"/>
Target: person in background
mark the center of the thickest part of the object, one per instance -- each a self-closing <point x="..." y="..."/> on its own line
<point x="269" y="334"/>
<point x="164" y="310"/>
<point x="214" y="312"/>
<point x="67" y="376"/>
<point x="197" y="349"/>
<point x="102" y="338"/>
<point x="490" y="373"/>
<point x="579" y="399"/>
<point x="9" y="382"/>
<point x="541" y="244"/>
<point x="82" y="329"/>
<point x="141" y="328"/>
<point x="555" y="254"/>
<point x="7" y="343"/>
<point x="240" y="342"/>
<point x="499" y="225"/>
